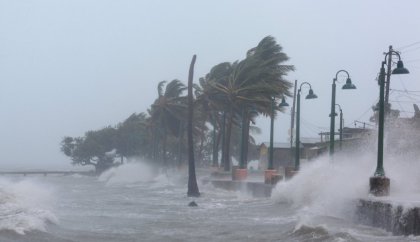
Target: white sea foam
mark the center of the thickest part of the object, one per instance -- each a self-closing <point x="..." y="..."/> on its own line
<point x="25" y="206"/>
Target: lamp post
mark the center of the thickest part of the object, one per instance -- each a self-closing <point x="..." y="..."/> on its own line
<point x="341" y="125"/>
<point x="268" y="174"/>
<point x="311" y="95"/>
<point x="346" y="86"/>
<point x="379" y="184"/>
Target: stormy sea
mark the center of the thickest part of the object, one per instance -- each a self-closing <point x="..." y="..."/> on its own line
<point x="132" y="203"/>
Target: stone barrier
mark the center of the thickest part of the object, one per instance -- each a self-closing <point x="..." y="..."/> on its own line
<point x="392" y="218"/>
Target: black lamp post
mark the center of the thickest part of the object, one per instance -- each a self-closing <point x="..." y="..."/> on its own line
<point x="346" y="86"/>
<point x="341" y="125"/>
<point x="379" y="183"/>
<point x="311" y="95"/>
<point x="270" y="159"/>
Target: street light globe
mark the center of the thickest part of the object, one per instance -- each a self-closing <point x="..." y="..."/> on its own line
<point x="311" y="95"/>
<point x="400" y="68"/>
<point x="283" y="103"/>
<point x="348" y="84"/>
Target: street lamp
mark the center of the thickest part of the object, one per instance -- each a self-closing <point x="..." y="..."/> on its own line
<point x="400" y="68"/>
<point x="311" y="95"/>
<point x="346" y="86"/>
<point x="379" y="184"/>
<point x="270" y="168"/>
<point x="341" y="125"/>
<point x="282" y="104"/>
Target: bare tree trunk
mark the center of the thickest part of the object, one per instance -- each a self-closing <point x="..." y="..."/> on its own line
<point x="192" y="179"/>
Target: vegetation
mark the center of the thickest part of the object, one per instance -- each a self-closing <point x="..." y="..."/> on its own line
<point x="225" y="103"/>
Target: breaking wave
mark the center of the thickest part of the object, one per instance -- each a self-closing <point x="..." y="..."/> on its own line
<point x="25" y="206"/>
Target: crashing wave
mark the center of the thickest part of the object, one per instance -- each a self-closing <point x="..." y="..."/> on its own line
<point x="24" y="206"/>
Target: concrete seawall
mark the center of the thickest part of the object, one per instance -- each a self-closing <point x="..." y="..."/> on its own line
<point x="386" y="215"/>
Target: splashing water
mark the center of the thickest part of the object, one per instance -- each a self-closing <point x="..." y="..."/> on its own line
<point x="24" y="206"/>
<point x="329" y="187"/>
<point x="128" y="173"/>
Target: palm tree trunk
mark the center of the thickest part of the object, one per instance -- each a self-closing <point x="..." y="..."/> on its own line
<point x="246" y="141"/>
<point x="215" y="151"/>
<point x="227" y="140"/>
<point x="181" y="135"/>
<point x="165" y="164"/>
<point x="192" y="179"/>
<point x="223" y="138"/>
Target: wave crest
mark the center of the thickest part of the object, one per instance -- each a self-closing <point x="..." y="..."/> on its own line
<point x="24" y="206"/>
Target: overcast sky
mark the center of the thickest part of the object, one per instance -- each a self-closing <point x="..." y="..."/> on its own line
<point x="71" y="66"/>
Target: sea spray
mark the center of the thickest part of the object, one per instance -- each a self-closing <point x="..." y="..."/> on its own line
<point x="128" y="173"/>
<point x="327" y="187"/>
<point x="25" y="206"/>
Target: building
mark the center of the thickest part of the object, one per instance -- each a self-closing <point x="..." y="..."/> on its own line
<point x="283" y="154"/>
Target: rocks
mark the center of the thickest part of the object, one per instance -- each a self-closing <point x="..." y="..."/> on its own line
<point x="192" y="204"/>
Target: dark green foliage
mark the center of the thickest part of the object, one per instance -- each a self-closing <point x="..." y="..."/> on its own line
<point x="95" y="148"/>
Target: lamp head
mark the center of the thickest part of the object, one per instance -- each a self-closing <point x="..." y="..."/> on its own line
<point x="348" y="84"/>
<point x="253" y="111"/>
<point x="400" y="68"/>
<point x="283" y="103"/>
<point x="311" y="95"/>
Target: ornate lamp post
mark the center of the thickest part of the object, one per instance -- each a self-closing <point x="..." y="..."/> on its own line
<point x="311" y="95"/>
<point x="348" y="85"/>
<point x="270" y="172"/>
<point x="379" y="184"/>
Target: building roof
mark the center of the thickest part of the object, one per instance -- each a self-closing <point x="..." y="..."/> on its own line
<point x="286" y="145"/>
<point x="307" y="140"/>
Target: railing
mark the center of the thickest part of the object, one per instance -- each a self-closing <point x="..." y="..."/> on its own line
<point x="45" y="173"/>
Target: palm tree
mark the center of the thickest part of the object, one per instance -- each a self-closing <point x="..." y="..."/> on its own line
<point x="192" y="179"/>
<point x="252" y="82"/>
<point x="132" y="136"/>
<point x="167" y="112"/>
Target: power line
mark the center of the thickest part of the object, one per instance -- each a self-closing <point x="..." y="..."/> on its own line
<point x="409" y="45"/>
<point x="411" y="61"/>
<point x="397" y="90"/>
<point x="396" y="101"/>
<point x="410" y="50"/>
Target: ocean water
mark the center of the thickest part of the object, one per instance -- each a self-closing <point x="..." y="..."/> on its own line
<point x="128" y="203"/>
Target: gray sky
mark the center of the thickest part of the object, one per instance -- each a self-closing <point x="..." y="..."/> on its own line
<point x="71" y="66"/>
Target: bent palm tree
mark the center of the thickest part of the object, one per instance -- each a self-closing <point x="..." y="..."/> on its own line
<point x="253" y="81"/>
<point x="167" y="112"/>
